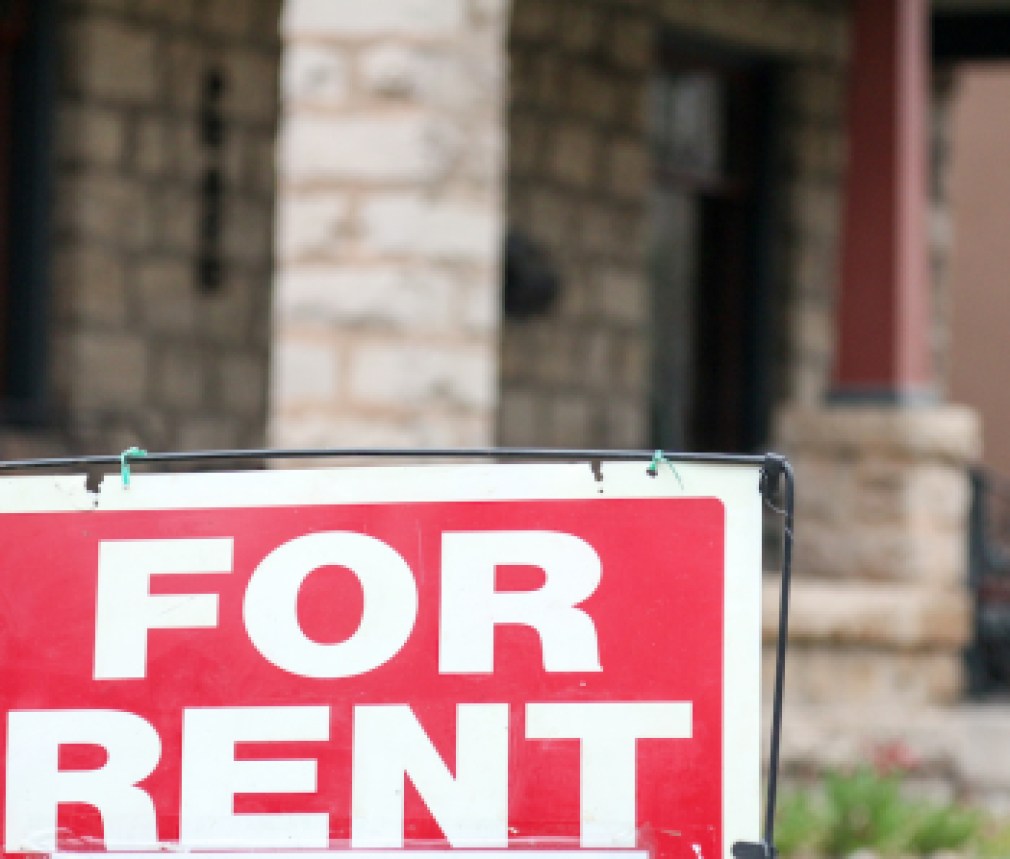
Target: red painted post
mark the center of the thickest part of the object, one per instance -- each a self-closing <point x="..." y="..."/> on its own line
<point x="883" y="313"/>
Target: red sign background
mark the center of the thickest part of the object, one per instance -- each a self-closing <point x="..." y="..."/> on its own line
<point x="658" y="612"/>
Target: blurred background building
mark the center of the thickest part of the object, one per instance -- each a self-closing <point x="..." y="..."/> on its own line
<point x="688" y="224"/>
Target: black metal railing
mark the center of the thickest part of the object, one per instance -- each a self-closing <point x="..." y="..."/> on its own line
<point x="988" y="655"/>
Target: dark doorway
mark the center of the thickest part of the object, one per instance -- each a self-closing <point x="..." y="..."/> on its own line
<point x="709" y="122"/>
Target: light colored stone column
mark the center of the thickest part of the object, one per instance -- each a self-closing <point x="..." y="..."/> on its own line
<point x="881" y="609"/>
<point x="880" y="612"/>
<point x="389" y="223"/>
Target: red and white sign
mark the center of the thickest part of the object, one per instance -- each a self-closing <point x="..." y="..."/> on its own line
<point x="474" y="658"/>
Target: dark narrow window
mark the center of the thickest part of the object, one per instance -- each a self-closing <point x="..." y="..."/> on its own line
<point x="710" y="387"/>
<point x="26" y="103"/>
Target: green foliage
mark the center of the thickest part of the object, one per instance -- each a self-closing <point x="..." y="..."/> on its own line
<point x="799" y="825"/>
<point x="944" y="828"/>
<point x="865" y="810"/>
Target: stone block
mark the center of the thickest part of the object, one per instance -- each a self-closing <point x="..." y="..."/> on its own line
<point x="175" y="213"/>
<point x="549" y="77"/>
<point x="175" y="12"/>
<point x="408" y="299"/>
<point x="106" y="206"/>
<point x="575" y="155"/>
<point x="525" y="143"/>
<point x="165" y="293"/>
<point x="870" y="676"/>
<point x="242" y="383"/>
<point x="519" y="417"/>
<point x="228" y="315"/>
<point x="408" y="224"/>
<point x="109" y="370"/>
<point x="189" y="153"/>
<point x="153" y="150"/>
<point x="89" y="135"/>
<point x="598" y="362"/>
<point x="631" y="42"/>
<point x="258" y="166"/>
<point x="946" y="433"/>
<point x="304" y="370"/>
<point x="630" y="354"/>
<point x="314" y="75"/>
<point x="208" y="432"/>
<point x="625" y="420"/>
<point x="405" y="376"/>
<point x="321" y="19"/>
<point x="251" y="86"/>
<point x="570" y="420"/>
<point x="592" y="92"/>
<point x="880" y="552"/>
<point x="390" y="148"/>
<point x="230" y="18"/>
<point x="114" y="60"/>
<point x="485" y="13"/>
<point x="93" y="282"/>
<point x="247" y="232"/>
<point x="629" y="168"/>
<point x="603" y="230"/>
<point x="478" y="301"/>
<point x="824" y="491"/>
<point x="846" y="614"/>
<point x="178" y="378"/>
<point x="535" y="20"/>
<point x="266" y="18"/>
<point x="312" y="226"/>
<point x="390" y="70"/>
<point x="553" y="216"/>
<point x="185" y="63"/>
<point x="621" y="294"/>
<point x="582" y="27"/>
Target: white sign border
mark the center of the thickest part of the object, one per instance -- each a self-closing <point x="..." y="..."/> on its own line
<point x="736" y="486"/>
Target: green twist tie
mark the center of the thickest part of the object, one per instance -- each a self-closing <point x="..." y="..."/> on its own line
<point x="658" y="459"/>
<point x="124" y="463"/>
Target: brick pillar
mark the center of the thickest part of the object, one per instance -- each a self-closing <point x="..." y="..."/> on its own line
<point x="389" y="223"/>
<point x="883" y="302"/>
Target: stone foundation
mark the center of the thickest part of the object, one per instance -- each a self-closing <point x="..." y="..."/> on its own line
<point x="880" y="609"/>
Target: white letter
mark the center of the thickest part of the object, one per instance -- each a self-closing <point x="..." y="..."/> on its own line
<point x="125" y="609"/>
<point x="36" y="786"/>
<point x="271" y="605"/>
<point x="211" y="777"/>
<point x="471" y="607"/>
<point x="608" y="732"/>
<point x="389" y="744"/>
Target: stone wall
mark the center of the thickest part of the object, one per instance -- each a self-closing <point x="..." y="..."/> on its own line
<point x="386" y="305"/>
<point x="579" y="180"/>
<point x="140" y="353"/>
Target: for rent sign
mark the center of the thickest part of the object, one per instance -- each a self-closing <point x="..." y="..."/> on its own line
<point x="470" y="658"/>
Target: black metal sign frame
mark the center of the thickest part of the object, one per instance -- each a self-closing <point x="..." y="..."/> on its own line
<point x="775" y="470"/>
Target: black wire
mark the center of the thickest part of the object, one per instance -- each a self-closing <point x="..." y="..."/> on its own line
<point x="780" y="655"/>
<point x="532" y="454"/>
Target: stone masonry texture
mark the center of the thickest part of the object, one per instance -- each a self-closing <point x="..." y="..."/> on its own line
<point x="390" y="164"/>
<point x="579" y="180"/>
<point x="141" y="354"/>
